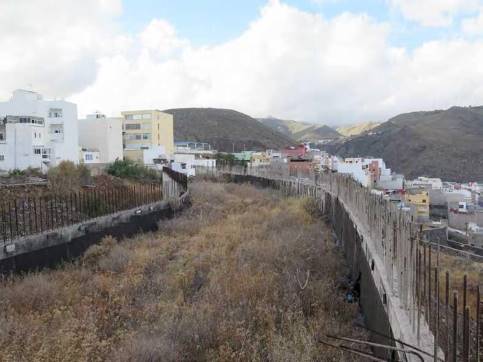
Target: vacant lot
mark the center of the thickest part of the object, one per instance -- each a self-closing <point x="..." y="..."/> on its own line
<point x="242" y="275"/>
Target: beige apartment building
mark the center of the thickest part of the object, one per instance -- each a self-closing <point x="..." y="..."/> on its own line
<point x="147" y="135"/>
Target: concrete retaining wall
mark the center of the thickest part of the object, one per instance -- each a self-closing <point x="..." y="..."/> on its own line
<point x="50" y="248"/>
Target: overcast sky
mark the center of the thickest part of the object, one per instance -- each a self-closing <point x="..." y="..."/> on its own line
<point x="323" y="61"/>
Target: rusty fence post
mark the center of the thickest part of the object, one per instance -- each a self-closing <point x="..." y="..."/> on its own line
<point x="466" y="334"/>
<point x="446" y="300"/>
<point x="455" y="326"/>
<point x="478" y="323"/>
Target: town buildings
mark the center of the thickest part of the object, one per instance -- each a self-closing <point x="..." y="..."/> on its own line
<point x="148" y="136"/>
<point x="298" y="152"/>
<point x="418" y="203"/>
<point x="37" y="133"/>
<point x="189" y="155"/>
<point x="370" y="172"/>
<point x="102" y="134"/>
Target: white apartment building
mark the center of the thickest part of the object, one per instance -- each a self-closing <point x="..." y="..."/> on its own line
<point x="371" y="172"/>
<point x="425" y="183"/>
<point x="104" y="134"/>
<point x="22" y="143"/>
<point x="36" y="132"/>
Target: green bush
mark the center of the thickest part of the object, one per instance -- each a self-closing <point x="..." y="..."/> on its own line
<point x="16" y="173"/>
<point x="131" y="170"/>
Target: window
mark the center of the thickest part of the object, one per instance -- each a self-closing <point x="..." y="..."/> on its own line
<point x="145" y="136"/>
<point x="55" y="113"/>
<point x="131" y="126"/>
<point x="2" y="158"/>
<point x="2" y="137"/>
<point x="128" y="117"/>
<point x="146" y="116"/>
<point x="137" y="116"/>
<point x="37" y="151"/>
<point x="89" y="157"/>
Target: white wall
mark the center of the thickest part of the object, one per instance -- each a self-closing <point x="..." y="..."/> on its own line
<point x="152" y="153"/>
<point x="18" y="150"/>
<point x="64" y="146"/>
<point x="354" y="169"/>
<point x="104" y="134"/>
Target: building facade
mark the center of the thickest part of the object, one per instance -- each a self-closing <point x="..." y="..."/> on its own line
<point x="148" y="136"/>
<point x="98" y="132"/>
<point x="418" y="202"/>
<point x="37" y="133"/>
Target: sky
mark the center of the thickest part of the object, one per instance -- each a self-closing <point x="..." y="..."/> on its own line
<point x="323" y="61"/>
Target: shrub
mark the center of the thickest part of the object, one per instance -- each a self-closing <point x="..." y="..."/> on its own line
<point x="16" y="173"/>
<point x="67" y="177"/>
<point x="129" y="169"/>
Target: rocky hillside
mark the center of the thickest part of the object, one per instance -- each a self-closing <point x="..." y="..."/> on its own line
<point x="443" y="143"/>
<point x="226" y="130"/>
<point x="356" y="129"/>
<point x="301" y="131"/>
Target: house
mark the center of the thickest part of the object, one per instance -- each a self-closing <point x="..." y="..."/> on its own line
<point x="298" y="152"/>
<point x="418" y="202"/>
<point x="189" y="155"/>
<point x="103" y="134"/>
<point x="148" y="136"/>
<point x="260" y="159"/>
<point x="425" y="183"/>
<point x="90" y="156"/>
<point x="243" y="156"/>
<point x="371" y="172"/>
<point x="37" y="133"/>
<point x="274" y="154"/>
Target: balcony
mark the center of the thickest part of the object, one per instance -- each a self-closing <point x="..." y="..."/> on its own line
<point x="56" y="137"/>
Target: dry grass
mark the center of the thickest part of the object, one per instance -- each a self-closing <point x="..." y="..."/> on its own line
<point x="242" y="275"/>
<point x="458" y="267"/>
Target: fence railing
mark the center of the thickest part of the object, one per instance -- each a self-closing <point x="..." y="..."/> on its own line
<point x="429" y="284"/>
<point x="24" y="216"/>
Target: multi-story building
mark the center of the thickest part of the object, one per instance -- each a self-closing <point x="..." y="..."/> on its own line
<point x="371" y="172"/>
<point x="23" y="142"/>
<point x="36" y="132"/>
<point x="425" y="183"/>
<point x="418" y="202"/>
<point x="98" y="132"/>
<point x="148" y="136"/>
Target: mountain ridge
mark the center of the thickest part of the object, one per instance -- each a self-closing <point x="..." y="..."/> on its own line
<point x="226" y="130"/>
<point x="301" y="131"/>
<point x="441" y="143"/>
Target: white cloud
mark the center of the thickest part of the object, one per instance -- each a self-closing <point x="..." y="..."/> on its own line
<point x="434" y="12"/>
<point x="53" y="45"/>
<point x="473" y="26"/>
<point x="287" y="63"/>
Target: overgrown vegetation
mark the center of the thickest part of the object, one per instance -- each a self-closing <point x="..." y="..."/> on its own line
<point x="68" y="177"/>
<point x="129" y="169"/>
<point x="242" y="275"/>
